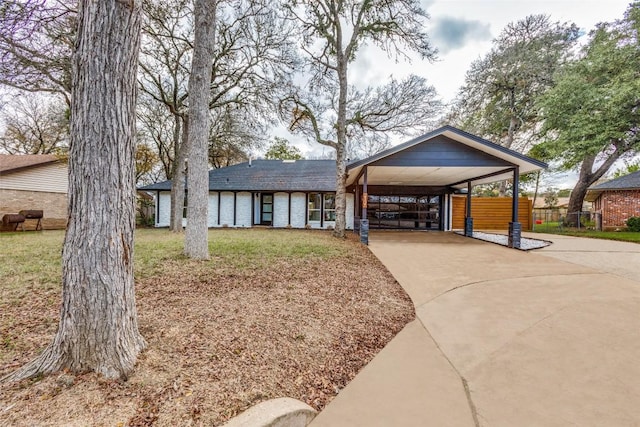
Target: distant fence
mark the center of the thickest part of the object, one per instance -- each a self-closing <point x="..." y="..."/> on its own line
<point x="548" y="221"/>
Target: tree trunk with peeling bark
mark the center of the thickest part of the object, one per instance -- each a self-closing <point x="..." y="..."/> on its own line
<point x="98" y="328"/>
<point x="178" y="179"/>
<point x="196" y="242"/>
<point x="341" y="146"/>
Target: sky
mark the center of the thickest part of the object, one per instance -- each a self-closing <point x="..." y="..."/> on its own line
<point x="462" y="31"/>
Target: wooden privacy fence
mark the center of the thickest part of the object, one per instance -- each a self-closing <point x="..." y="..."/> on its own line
<point x="491" y="213"/>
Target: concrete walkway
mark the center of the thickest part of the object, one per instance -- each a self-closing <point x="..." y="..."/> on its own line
<point x="503" y="338"/>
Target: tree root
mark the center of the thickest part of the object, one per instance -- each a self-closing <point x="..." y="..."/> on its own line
<point x="48" y="362"/>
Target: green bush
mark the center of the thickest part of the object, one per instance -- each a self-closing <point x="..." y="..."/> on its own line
<point x="634" y="223"/>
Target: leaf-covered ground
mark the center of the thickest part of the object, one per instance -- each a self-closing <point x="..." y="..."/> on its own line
<point x="274" y="313"/>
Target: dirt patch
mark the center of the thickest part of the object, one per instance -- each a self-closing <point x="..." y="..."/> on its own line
<point x="220" y="340"/>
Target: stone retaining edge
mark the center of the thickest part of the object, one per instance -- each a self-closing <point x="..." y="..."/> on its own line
<point x="281" y="412"/>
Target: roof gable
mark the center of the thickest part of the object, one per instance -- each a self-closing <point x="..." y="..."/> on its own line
<point x="446" y="156"/>
<point x="440" y="151"/>
<point x="459" y="136"/>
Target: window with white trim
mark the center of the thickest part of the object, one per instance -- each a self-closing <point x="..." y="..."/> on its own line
<point x="315" y="207"/>
<point x="329" y="207"/>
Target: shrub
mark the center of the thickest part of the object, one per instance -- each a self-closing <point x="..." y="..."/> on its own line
<point x="634" y="223"/>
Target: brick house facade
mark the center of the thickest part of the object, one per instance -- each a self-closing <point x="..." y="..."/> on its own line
<point x="617" y="200"/>
<point x="34" y="182"/>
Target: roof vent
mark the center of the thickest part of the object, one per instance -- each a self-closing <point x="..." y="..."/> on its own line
<point x="288" y="161"/>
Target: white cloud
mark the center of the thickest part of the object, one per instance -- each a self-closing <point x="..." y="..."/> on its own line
<point x="451" y="33"/>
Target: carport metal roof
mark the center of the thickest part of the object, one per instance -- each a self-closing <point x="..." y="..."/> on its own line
<point x="444" y="157"/>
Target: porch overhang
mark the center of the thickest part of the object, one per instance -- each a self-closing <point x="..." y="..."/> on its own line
<point x="446" y="157"/>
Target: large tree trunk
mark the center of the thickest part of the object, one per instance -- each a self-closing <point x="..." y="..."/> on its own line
<point x="536" y="188"/>
<point x="586" y="178"/>
<point x="508" y="143"/>
<point x="196" y="242"/>
<point x="178" y="180"/>
<point x="172" y="174"/>
<point x="341" y="193"/>
<point x="341" y="146"/>
<point x="98" y="328"/>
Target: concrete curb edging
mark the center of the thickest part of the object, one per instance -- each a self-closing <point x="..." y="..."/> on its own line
<point x="282" y="412"/>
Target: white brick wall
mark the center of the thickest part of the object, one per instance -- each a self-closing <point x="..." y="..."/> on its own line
<point x="226" y="209"/>
<point x="243" y="210"/>
<point x="281" y="210"/>
<point x="212" y="217"/>
<point x="164" y="217"/>
<point x="298" y="203"/>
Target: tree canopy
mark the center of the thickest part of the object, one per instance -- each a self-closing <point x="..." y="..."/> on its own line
<point x="498" y="98"/>
<point x="36" y="42"/>
<point x="330" y="111"/>
<point x="592" y="114"/>
<point x="35" y="125"/>
<point x="280" y="149"/>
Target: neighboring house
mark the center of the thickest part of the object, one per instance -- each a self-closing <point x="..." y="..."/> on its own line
<point x="544" y="213"/>
<point x="34" y="182"/>
<point x="617" y="200"/>
<point x="408" y="186"/>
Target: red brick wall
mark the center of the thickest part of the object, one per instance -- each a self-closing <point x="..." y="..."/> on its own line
<point x="618" y="206"/>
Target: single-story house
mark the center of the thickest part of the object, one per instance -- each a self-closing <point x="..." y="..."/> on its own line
<point x="276" y="193"/>
<point x="34" y="182"/>
<point x="616" y="200"/>
<point x="408" y="186"/>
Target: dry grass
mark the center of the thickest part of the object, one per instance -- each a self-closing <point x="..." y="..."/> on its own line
<point x="274" y="313"/>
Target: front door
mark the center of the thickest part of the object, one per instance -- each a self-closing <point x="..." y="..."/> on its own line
<point x="266" y="209"/>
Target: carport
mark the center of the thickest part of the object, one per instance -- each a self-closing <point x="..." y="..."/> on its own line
<point x="410" y="185"/>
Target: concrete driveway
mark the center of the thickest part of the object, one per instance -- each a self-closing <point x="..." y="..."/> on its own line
<point x="503" y="337"/>
<point x="618" y="258"/>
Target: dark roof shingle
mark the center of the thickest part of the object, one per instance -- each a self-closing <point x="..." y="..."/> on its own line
<point x="269" y="175"/>
<point x="626" y="182"/>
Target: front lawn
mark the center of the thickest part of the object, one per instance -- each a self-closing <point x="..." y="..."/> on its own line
<point x="274" y="313"/>
<point x="625" y="236"/>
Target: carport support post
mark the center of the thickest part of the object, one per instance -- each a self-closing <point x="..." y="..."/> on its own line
<point x="515" y="228"/>
<point x="364" y="221"/>
<point x="468" y="220"/>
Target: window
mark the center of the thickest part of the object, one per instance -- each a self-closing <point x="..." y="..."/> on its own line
<point x="329" y="207"/>
<point x="315" y="206"/>
<point x="322" y="206"/>
<point x="184" y="206"/>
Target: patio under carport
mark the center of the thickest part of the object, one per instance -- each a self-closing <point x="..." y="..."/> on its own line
<point x="426" y="171"/>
